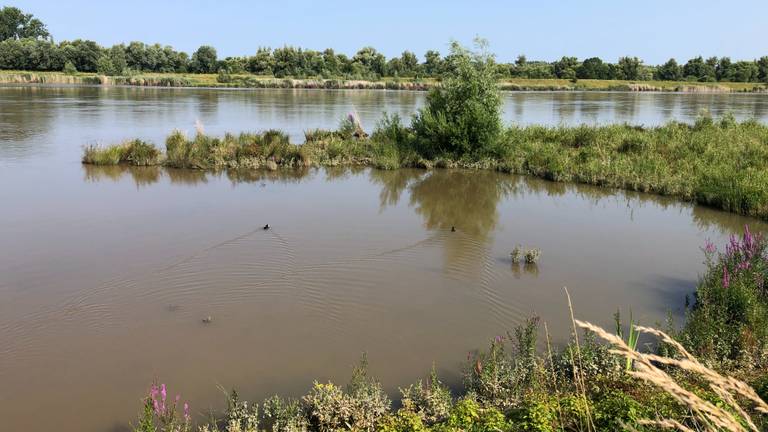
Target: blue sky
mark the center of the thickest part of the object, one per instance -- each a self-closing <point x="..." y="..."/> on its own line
<point x="547" y="29"/>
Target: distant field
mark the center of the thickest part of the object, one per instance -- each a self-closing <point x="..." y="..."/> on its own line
<point x="391" y="83"/>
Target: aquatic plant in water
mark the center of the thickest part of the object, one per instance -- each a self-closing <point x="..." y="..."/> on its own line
<point x="517" y="254"/>
<point x="532" y="256"/>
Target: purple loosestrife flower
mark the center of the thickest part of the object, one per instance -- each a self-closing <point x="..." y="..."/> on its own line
<point x="498" y="339"/>
<point x="710" y="247"/>
<point x="726" y="278"/>
<point x="186" y="412"/>
<point x="156" y="406"/>
<point x="749" y="241"/>
<point x="163" y="391"/>
<point x="733" y="247"/>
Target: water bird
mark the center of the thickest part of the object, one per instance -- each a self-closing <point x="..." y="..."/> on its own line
<point x="208" y="320"/>
<point x="266" y="227"/>
<point x="453" y="229"/>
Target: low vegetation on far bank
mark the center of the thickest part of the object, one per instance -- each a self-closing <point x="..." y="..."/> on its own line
<point x="708" y="376"/>
<point x="255" y="81"/>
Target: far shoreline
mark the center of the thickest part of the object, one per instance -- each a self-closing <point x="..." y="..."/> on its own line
<point x="213" y="82"/>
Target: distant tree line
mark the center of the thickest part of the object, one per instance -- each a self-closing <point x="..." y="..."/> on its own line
<point x="25" y="44"/>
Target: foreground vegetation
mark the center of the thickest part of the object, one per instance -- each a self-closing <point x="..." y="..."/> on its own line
<point x="25" y="44"/>
<point x="709" y="376"/>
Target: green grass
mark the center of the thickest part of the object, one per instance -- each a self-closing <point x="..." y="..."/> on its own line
<point x="720" y="164"/>
<point x="134" y="152"/>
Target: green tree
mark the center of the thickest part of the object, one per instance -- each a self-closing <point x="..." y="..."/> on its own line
<point x="371" y="61"/>
<point x="462" y="116"/>
<point x="433" y="63"/>
<point x="409" y="63"/>
<point x="84" y="54"/>
<point x="669" y="71"/>
<point x="723" y="69"/>
<point x="762" y="69"/>
<point x="566" y="67"/>
<point x="69" y="68"/>
<point x="699" y="70"/>
<point x="204" y="60"/>
<point x="593" y="68"/>
<point x="629" y="68"/>
<point x="262" y="63"/>
<point x="15" y="24"/>
<point x="744" y="71"/>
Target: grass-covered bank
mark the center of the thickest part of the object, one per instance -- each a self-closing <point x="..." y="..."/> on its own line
<point x="719" y="163"/>
<point x="245" y="80"/>
<point x="692" y="379"/>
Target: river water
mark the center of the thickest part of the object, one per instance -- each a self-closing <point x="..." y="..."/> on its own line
<point x="106" y="273"/>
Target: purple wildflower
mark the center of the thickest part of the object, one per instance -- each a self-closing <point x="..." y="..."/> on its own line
<point x="710" y="247"/>
<point x="186" y="412"/>
<point x="156" y="406"/>
<point x="726" y="278"/>
<point x="163" y="391"/>
<point x="498" y="339"/>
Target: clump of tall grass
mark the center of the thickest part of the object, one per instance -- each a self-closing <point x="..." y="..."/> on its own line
<point x="723" y="163"/>
<point x="728" y="413"/>
<point x="133" y="152"/>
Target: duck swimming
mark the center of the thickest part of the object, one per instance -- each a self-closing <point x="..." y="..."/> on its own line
<point x="266" y="227"/>
<point x="453" y="229"/>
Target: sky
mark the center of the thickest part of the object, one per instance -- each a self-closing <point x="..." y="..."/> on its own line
<point x="653" y="30"/>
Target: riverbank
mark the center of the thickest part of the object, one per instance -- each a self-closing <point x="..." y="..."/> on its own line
<point x="258" y="81"/>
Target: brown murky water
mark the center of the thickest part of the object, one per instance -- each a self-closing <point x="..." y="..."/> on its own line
<point x="106" y="273"/>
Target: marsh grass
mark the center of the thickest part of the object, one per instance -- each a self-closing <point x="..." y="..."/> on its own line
<point x="719" y="163"/>
<point x="135" y="152"/>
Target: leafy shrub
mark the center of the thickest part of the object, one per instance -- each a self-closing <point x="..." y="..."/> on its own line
<point x="241" y="416"/>
<point x="499" y="379"/>
<point x="728" y="324"/>
<point x="360" y="407"/>
<point x="283" y="415"/>
<point x="462" y="116"/>
<point x="368" y="402"/>
<point x="328" y="408"/>
<point x="430" y="401"/>
<point x="69" y="68"/>
<point x="535" y="416"/>
<point x="615" y="408"/>
<point x="403" y="421"/>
